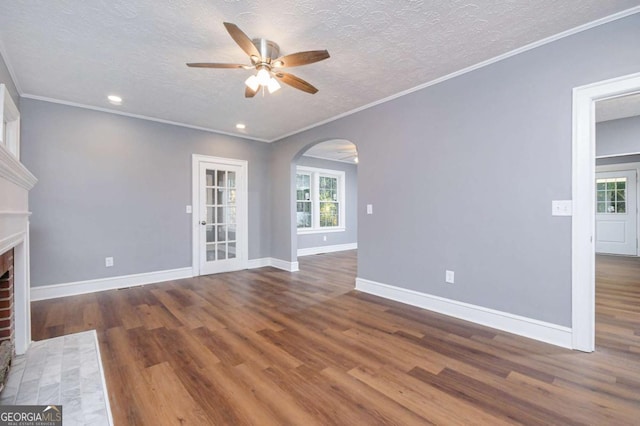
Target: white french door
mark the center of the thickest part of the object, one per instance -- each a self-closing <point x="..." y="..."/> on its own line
<point x="220" y="215"/>
<point x="616" y="212"/>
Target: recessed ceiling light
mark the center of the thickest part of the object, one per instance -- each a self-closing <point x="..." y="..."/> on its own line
<point x="115" y="100"/>
<point x="240" y="126"/>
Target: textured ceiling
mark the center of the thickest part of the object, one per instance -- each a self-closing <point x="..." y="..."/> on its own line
<point x="80" y="51"/>
<point x="622" y="107"/>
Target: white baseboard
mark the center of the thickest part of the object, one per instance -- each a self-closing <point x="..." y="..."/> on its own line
<point x="284" y="265"/>
<point x="111" y="283"/>
<point x="273" y="262"/>
<point x="523" y="326"/>
<point x="327" y="249"/>
<point x="259" y="263"/>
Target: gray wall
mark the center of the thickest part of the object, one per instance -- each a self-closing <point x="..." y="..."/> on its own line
<point x="350" y="235"/>
<point x="461" y="176"/>
<point x="618" y="136"/>
<point x="116" y="186"/>
<point x="5" y="78"/>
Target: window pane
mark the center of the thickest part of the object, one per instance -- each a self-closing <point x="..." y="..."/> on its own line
<point x="222" y="233"/>
<point x="328" y="214"/>
<point x="601" y="195"/>
<point x="210" y="234"/>
<point x="601" y="186"/>
<point x="222" y="251"/>
<point x="221" y="193"/>
<point x="303" y="187"/>
<point x="211" y="177"/>
<point x="611" y="186"/>
<point x="303" y="214"/>
<point x="211" y="253"/>
<point x="221" y="217"/>
<point x="231" y="233"/>
<point x="231" y="215"/>
<point x="211" y="215"/>
<point x="231" y="179"/>
<point x="222" y="181"/>
<point x="622" y="208"/>
<point x="232" y="196"/>
<point x="602" y="207"/>
<point x="210" y="196"/>
<point x="231" y="251"/>
<point x="620" y="195"/>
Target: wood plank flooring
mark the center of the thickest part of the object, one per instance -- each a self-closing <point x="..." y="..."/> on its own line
<point x="268" y="347"/>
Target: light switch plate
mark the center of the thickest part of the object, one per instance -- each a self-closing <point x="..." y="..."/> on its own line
<point x="369" y="208"/>
<point x="188" y="209"/>
<point x="561" y="207"/>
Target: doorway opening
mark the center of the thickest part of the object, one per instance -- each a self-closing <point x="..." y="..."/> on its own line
<point x="325" y="197"/>
<point x="617" y="261"/>
<point x="584" y="202"/>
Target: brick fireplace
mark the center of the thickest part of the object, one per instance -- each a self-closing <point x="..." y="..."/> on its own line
<point x="7" y="325"/>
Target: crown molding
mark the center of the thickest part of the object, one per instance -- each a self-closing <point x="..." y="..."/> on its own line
<point x="138" y="116"/>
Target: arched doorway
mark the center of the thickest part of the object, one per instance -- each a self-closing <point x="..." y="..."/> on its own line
<point x="325" y="197"/>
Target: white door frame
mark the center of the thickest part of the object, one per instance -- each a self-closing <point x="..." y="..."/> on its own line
<point x="583" y="223"/>
<point x="242" y="202"/>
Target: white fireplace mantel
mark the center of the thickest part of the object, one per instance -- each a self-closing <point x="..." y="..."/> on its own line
<point x="15" y="183"/>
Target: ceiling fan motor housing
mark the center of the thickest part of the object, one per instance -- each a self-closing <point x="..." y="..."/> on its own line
<point x="268" y="49"/>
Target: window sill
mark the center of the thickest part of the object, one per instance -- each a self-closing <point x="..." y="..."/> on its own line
<point x="319" y="231"/>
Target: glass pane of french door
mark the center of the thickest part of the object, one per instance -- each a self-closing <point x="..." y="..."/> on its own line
<point x="221" y="214"/>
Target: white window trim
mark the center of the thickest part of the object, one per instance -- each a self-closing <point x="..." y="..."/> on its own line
<point x="315" y="201"/>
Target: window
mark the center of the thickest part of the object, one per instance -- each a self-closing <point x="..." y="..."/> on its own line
<point x="319" y="200"/>
<point x="303" y="200"/>
<point x="611" y="195"/>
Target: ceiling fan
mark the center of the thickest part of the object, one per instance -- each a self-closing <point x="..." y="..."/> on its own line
<point x="265" y="60"/>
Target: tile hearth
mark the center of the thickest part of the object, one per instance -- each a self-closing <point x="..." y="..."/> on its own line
<point x="65" y="370"/>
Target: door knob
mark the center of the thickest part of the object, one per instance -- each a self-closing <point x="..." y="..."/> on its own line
<point x="204" y="222"/>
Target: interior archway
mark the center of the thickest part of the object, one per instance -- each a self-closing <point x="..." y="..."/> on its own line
<point x="324" y="198"/>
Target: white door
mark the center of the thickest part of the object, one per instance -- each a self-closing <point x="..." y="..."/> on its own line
<point x="616" y="212"/>
<point x="220" y="215"/>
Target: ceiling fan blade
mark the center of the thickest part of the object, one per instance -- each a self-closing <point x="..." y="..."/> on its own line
<point x="242" y="39"/>
<point x="214" y="65"/>
<point x="249" y="93"/>
<point x="296" y="82"/>
<point x="300" y="58"/>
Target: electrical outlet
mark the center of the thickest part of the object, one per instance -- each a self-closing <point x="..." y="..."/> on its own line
<point x="449" y="277"/>
<point x="108" y="262"/>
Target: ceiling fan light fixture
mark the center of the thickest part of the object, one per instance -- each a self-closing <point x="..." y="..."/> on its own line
<point x="252" y="83"/>
<point x="263" y="76"/>
<point x="273" y="86"/>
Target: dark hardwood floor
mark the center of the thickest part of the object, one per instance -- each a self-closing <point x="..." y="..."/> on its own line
<point x="268" y="347"/>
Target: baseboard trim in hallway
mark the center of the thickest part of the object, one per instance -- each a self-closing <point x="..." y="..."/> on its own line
<point x="522" y="326"/>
